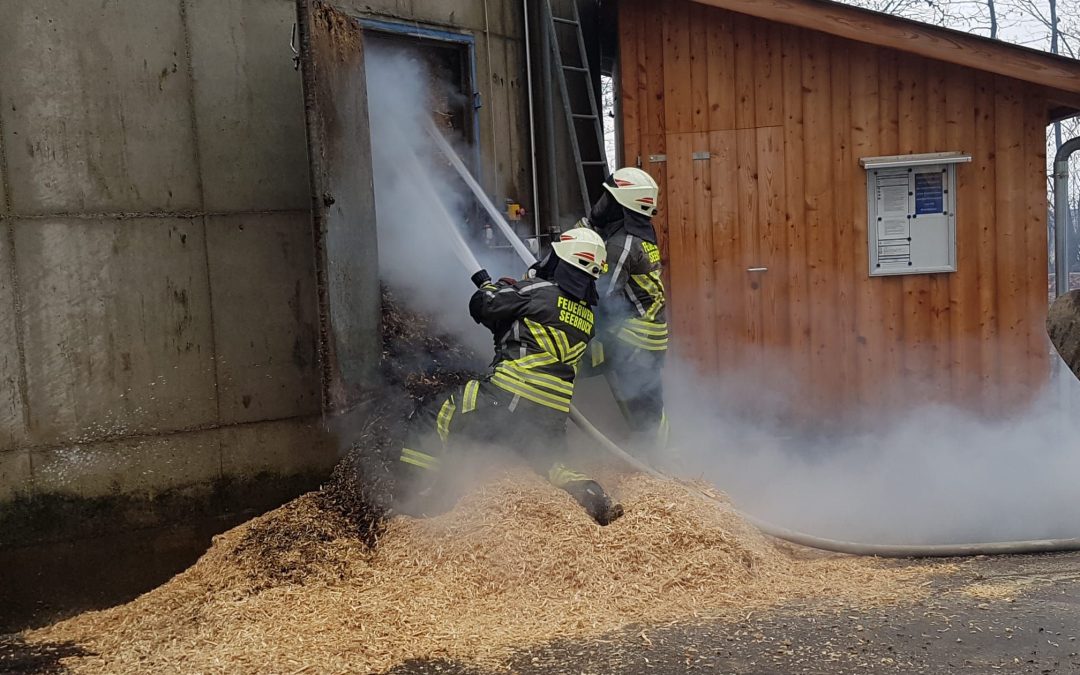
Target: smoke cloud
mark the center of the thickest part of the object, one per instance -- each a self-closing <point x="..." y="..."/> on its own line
<point x="419" y="201"/>
<point x="935" y="474"/>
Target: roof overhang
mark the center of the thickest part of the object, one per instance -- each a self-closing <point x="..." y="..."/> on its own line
<point x="934" y="42"/>
<point x="900" y="161"/>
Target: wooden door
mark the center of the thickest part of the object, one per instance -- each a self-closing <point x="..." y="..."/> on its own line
<point x="728" y="252"/>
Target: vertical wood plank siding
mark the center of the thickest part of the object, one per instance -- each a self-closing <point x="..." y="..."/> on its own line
<point x="785" y="114"/>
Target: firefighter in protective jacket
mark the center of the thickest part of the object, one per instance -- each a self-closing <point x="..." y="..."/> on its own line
<point x="633" y="306"/>
<point x="542" y="327"/>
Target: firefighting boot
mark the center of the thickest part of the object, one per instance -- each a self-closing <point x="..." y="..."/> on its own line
<point x="595" y="501"/>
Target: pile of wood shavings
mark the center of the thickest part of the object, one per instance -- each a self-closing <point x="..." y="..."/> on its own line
<point x="515" y="564"/>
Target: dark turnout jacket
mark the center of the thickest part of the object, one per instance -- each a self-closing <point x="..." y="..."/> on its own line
<point x="632" y="297"/>
<point x="541" y="333"/>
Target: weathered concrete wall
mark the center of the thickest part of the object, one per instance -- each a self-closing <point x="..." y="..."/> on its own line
<point x="156" y="276"/>
<point x="158" y="339"/>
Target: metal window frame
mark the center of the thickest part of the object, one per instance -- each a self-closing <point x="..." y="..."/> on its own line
<point x="943" y="160"/>
<point x="466" y="40"/>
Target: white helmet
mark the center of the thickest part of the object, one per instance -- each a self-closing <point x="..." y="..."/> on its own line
<point x="583" y="249"/>
<point x="634" y="189"/>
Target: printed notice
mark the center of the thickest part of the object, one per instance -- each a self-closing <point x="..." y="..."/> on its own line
<point x="892" y="207"/>
<point x="892" y="255"/>
<point x="929" y="193"/>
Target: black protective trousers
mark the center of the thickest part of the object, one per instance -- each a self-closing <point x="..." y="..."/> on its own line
<point x="635" y="376"/>
<point x="480" y="413"/>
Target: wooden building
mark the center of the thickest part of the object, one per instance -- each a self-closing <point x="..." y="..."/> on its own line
<point x="754" y="116"/>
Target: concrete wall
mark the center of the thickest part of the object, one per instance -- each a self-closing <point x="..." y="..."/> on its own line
<point x="156" y="265"/>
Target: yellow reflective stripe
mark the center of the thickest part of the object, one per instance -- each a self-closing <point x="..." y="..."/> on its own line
<point x="652" y="284"/>
<point x="533" y="394"/>
<point x="576" y="351"/>
<point x="651" y="344"/>
<point x="541" y="337"/>
<point x="645" y="323"/>
<point x="597" y="353"/>
<point x="420" y="459"/>
<point x="468" y="403"/>
<point x="446" y="413"/>
<point x="541" y="379"/>
<point x="654" y="310"/>
<point x="562" y="342"/>
<point x="663" y="432"/>
<point x="646" y="336"/>
<point x="647" y="327"/>
<point x="537" y="360"/>
<point x="559" y="475"/>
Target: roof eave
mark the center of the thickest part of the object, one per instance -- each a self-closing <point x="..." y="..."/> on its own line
<point x="855" y="23"/>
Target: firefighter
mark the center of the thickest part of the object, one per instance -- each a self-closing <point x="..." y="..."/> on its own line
<point x="542" y="327"/>
<point x="633" y="306"/>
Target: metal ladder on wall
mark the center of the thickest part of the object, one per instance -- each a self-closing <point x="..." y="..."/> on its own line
<point x="576" y="120"/>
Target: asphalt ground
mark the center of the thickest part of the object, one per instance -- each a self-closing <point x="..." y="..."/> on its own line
<point x="1013" y="614"/>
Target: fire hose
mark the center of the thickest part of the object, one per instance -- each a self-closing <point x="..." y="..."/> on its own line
<point x="799" y="538"/>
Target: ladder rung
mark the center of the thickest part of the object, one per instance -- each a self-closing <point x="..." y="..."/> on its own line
<point x="579" y="116"/>
<point x="576" y="69"/>
<point x="559" y="19"/>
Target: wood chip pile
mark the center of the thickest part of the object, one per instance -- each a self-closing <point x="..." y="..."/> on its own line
<point x="328" y="584"/>
<point x="515" y="564"/>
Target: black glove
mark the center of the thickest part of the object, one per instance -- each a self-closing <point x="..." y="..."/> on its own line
<point x="481" y="278"/>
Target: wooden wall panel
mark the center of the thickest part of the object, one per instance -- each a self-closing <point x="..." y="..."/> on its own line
<point x="749" y="253"/>
<point x="801" y="358"/>
<point x="985" y="213"/>
<point x="1009" y="230"/>
<point x="865" y="109"/>
<point x="699" y="69"/>
<point x="773" y="250"/>
<point x="704" y="294"/>
<point x="720" y="57"/>
<point x="678" y="85"/>
<point x="817" y="102"/>
<point x="964" y="324"/>
<point x="726" y="236"/>
<point x="1039" y="348"/>
<point x="631" y="90"/>
<point x="785" y="114"/>
<point x="846" y="180"/>
<point x="653" y="51"/>
<point x="768" y="75"/>
<point x="745" y="86"/>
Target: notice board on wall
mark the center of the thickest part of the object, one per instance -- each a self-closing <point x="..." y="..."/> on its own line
<point x="911" y="219"/>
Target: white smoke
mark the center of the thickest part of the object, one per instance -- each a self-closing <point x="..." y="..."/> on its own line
<point x="419" y="202"/>
<point x="930" y="474"/>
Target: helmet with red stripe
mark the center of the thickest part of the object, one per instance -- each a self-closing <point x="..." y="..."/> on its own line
<point x="634" y="189"/>
<point x="583" y="249"/>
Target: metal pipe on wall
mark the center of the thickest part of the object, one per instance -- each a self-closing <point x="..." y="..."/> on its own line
<point x="549" y="122"/>
<point x="1061" y="215"/>
<point x="491" y="84"/>
<point x="532" y="127"/>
